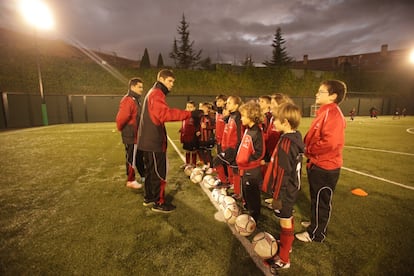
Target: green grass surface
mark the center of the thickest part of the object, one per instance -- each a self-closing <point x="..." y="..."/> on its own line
<point x="64" y="210"/>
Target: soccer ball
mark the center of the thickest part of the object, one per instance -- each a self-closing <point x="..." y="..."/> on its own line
<point x="208" y="181"/>
<point x="230" y="214"/>
<point x="227" y="202"/>
<point x="188" y="170"/>
<point x="218" y="195"/>
<point x="265" y="245"/>
<point x="196" y="175"/>
<point x="245" y="225"/>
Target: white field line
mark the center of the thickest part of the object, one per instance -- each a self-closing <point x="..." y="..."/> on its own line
<point x="379" y="178"/>
<point x="380" y="150"/>
<point x="243" y="240"/>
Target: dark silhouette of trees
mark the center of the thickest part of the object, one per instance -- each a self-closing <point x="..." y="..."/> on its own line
<point x="145" y="60"/>
<point x="183" y="53"/>
<point x="160" y="61"/>
<point x="280" y="56"/>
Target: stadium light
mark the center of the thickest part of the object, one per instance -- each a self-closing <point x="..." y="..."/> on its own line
<point x="411" y="57"/>
<point x="38" y="15"/>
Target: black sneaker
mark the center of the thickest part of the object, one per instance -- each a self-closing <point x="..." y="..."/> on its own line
<point x="163" y="208"/>
<point x="147" y="203"/>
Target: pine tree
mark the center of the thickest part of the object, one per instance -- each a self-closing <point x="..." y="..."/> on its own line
<point x="145" y="60"/>
<point x="279" y="54"/>
<point x="183" y="53"/>
<point x="160" y="61"/>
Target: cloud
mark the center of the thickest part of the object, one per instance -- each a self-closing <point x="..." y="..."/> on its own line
<point x="230" y="30"/>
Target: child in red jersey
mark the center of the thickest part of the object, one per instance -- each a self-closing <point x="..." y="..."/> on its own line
<point x="324" y="144"/>
<point x="265" y="107"/>
<point x="272" y="135"/>
<point x="282" y="178"/>
<point x="188" y="137"/>
<point x="220" y="123"/>
<point x="206" y="139"/>
<point x="249" y="156"/>
<point x="230" y="143"/>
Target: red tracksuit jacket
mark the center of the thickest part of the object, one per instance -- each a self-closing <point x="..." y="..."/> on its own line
<point x="326" y="138"/>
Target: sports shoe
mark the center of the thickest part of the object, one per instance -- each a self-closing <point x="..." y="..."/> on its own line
<point x="147" y="203"/>
<point x="278" y="264"/>
<point x="304" y="236"/>
<point x="269" y="200"/>
<point x="134" y="185"/>
<point x="305" y="224"/>
<point x="163" y="208"/>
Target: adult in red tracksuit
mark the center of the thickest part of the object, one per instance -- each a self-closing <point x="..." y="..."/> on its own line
<point x="152" y="140"/>
<point x="324" y="144"/>
<point x="249" y="156"/>
<point x="127" y="121"/>
<point x="230" y="142"/>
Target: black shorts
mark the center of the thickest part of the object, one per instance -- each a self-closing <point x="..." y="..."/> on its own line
<point x="190" y="146"/>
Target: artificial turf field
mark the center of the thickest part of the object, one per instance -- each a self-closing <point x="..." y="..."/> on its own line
<point x="65" y="210"/>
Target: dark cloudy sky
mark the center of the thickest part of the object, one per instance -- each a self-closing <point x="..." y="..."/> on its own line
<point x="230" y="30"/>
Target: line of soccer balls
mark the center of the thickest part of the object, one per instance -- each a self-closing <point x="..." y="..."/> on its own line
<point x="263" y="243"/>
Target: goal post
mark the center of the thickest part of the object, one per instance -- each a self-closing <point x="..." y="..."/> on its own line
<point x="313" y="109"/>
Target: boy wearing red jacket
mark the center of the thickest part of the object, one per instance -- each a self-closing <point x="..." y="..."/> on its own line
<point x="324" y="144"/>
<point x="127" y="121"/>
<point x="249" y="156"/>
<point x="283" y="178"/>
<point x="188" y="138"/>
<point x="230" y="143"/>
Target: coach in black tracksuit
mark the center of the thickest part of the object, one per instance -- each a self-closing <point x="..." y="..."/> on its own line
<point x="152" y="140"/>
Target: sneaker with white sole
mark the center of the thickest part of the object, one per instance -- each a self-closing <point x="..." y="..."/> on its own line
<point x="278" y="264"/>
<point x="163" y="208"/>
<point x="269" y="200"/>
<point x="304" y="237"/>
<point x="147" y="203"/>
<point x="305" y="224"/>
<point x="134" y="185"/>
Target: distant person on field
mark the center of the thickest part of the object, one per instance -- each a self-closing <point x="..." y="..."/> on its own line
<point x="152" y="139"/>
<point x="397" y="114"/>
<point x="404" y="112"/>
<point x="352" y="113"/>
<point x="188" y="138"/>
<point x="283" y="178"/>
<point x="249" y="156"/>
<point x="127" y="121"/>
<point x="324" y="145"/>
<point x="373" y="112"/>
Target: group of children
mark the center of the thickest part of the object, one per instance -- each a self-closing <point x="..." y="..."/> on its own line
<point x="259" y="148"/>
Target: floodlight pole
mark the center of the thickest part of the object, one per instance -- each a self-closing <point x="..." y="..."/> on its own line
<point x="39" y="74"/>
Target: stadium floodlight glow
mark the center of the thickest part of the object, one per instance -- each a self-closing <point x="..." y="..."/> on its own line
<point x="411" y="57"/>
<point x="37" y="14"/>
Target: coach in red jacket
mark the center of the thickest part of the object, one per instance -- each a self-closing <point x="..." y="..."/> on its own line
<point x="152" y="140"/>
<point x="127" y="121"/>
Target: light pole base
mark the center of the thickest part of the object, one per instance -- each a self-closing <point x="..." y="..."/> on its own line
<point x="44" y="115"/>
